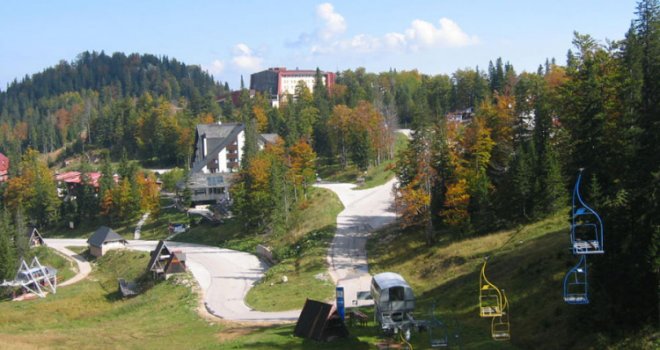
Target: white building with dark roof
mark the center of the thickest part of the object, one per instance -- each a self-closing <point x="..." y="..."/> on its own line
<point x="217" y="159"/>
<point x="103" y="240"/>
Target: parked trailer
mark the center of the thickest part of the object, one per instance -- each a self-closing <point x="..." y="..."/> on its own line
<point x="394" y="303"/>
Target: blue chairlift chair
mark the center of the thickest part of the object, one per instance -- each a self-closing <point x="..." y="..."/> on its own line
<point x="576" y="288"/>
<point x="586" y="225"/>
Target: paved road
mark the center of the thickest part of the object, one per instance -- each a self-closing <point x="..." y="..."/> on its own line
<point x="224" y="275"/>
<point x="364" y="211"/>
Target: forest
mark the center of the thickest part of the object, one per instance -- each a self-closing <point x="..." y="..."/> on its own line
<point x="491" y="147"/>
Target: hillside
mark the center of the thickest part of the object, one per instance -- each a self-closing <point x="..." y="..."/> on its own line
<point x="528" y="262"/>
<point x="91" y="314"/>
<point x="101" y="100"/>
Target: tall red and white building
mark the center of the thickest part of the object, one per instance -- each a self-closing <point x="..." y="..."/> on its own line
<point x="279" y="82"/>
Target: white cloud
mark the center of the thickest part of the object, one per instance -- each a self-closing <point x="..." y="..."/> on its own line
<point x="245" y="59"/>
<point x="422" y="34"/>
<point x="394" y="41"/>
<point x="216" y="67"/>
<point x="333" y="23"/>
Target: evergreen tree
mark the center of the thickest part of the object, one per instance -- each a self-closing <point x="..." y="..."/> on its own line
<point x="521" y="178"/>
<point x="21" y="241"/>
<point x="551" y="190"/>
<point x="8" y="262"/>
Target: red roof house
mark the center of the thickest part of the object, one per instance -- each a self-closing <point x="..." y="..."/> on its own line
<point x="4" y="168"/>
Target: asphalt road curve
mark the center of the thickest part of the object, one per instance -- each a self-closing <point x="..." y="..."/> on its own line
<point x="225" y="276"/>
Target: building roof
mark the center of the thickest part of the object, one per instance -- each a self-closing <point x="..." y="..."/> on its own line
<point x="75" y="177"/>
<point x="156" y="253"/>
<point x="204" y="180"/>
<point x="284" y="71"/>
<point x="103" y="235"/>
<point x="4" y="163"/>
<point x="31" y="232"/>
<point x="181" y="256"/>
<point x="162" y="257"/>
<point x="270" y="138"/>
<point x="218" y="137"/>
<point x="217" y="131"/>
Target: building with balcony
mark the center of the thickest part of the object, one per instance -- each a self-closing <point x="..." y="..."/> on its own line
<point x="217" y="159"/>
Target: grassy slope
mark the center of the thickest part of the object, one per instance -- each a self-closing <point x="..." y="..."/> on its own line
<point x="90" y="314"/>
<point x="529" y="263"/>
<point x="65" y="268"/>
<point x="305" y="249"/>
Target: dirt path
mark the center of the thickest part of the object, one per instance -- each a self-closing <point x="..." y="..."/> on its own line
<point x="84" y="268"/>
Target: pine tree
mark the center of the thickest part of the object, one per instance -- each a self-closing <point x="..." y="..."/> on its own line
<point x="21" y="242"/>
<point x="8" y="263"/>
<point x="521" y="180"/>
<point x="550" y="183"/>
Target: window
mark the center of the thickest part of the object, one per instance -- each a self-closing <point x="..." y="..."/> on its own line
<point x="214" y="181"/>
<point x="397" y="294"/>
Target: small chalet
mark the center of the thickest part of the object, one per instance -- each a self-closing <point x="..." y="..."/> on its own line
<point x="103" y="240"/>
<point x="165" y="261"/>
<point x="34" y="237"/>
<point x="461" y="116"/>
<point x="4" y="168"/>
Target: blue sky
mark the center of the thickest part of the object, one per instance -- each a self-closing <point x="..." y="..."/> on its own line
<point x="230" y="38"/>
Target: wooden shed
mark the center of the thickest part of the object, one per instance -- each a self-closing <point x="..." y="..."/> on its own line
<point x="103" y="240"/>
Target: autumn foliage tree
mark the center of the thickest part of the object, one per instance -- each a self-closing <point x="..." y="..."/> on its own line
<point x="361" y="134"/>
<point x="33" y="191"/>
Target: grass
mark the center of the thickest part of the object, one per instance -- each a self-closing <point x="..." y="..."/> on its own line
<point x="528" y="262"/>
<point x="227" y="234"/>
<point x="47" y="256"/>
<point x="280" y="337"/>
<point x="374" y="176"/>
<point x="156" y="227"/>
<point x="125" y="229"/>
<point x="302" y="253"/>
<point x="89" y="315"/>
<point x="306" y="271"/>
